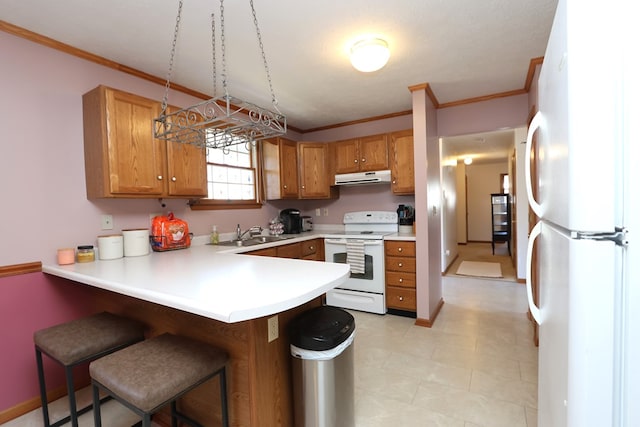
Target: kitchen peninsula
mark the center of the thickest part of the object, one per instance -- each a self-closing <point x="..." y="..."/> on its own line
<point x="225" y="299"/>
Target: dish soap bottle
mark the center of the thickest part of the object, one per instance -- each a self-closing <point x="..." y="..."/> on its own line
<point x="215" y="237"/>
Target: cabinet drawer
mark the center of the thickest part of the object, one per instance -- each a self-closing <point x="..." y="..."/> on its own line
<point x="400" y="248"/>
<point x="401" y="298"/>
<point x="292" y="250"/>
<point x="309" y="247"/>
<point x="396" y="263"/>
<point x="406" y="280"/>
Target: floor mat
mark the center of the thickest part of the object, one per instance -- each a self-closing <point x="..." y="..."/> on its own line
<point x="479" y="269"/>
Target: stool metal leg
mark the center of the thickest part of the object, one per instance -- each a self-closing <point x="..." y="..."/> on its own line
<point x="223" y="397"/>
<point x="71" y="392"/>
<point x="97" y="416"/>
<point x="174" y="414"/>
<point x="43" y="388"/>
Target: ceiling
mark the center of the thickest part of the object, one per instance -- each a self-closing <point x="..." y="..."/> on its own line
<point x="462" y="48"/>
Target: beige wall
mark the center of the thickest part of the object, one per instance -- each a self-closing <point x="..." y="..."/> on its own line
<point x="482" y="180"/>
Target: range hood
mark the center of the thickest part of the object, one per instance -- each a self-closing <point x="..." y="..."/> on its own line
<point x="360" y="178"/>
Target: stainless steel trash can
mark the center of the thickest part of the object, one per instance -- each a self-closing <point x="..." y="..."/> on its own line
<point x="322" y="350"/>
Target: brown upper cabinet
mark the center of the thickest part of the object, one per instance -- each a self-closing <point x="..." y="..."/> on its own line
<point x="367" y="153"/>
<point x="280" y="168"/>
<point x="402" y="168"/>
<point x="123" y="159"/>
<point x="296" y="170"/>
<point x="315" y="178"/>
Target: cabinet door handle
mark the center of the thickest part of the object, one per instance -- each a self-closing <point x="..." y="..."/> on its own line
<point x="399" y="249"/>
<point x="159" y="177"/>
<point x="285" y="186"/>
<point x="173" y="178"/>
<point x="401" y="298"/>
<point x="399" y="264"/>
<point x="400" y="280"/>
<point x="311" y="248"/>
<point x="355" y="160"/>
<point x="364" y="160"/>
<point x="394" y="181"/>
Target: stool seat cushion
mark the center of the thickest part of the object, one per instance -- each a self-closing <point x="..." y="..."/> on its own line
<point x="74" y="341"/>
<point x="152" y="372"/>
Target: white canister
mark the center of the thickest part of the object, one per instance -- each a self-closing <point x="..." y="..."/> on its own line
<point x="136" y="241"/>
<point x="111" y="246"/>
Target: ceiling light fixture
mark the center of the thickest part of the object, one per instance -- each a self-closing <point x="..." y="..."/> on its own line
<point x="223" y="121"/>
<point x="468" y="160"/>
<point x="369" y="54"/>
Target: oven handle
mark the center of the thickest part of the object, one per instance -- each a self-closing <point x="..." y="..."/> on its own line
<point x="344" y="242"/>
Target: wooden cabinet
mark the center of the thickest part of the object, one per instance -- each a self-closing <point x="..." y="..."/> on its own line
<point x="123" y="159"/>
<point x="297" y="170"/>
<point x="292" y="250"/>
<point x="402" y="167"/>
<point x="313" y="250"/>
<point x="264" y="252"/>
<point x="315" y="183"/>
<point x="400" y="275"/>
<point x="368" y="153"/>
<point x="500" y="221"/>
<point x="186" y="170"/>
<point x="309" y="250"/>
<point x="280" y="168"/>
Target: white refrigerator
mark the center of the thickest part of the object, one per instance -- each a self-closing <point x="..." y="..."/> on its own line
<point x="588" y="203"/>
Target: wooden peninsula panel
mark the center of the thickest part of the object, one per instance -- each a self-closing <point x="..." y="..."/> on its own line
<point x="259" y="383"/>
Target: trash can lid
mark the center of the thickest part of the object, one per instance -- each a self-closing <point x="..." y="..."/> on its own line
<point x="321" y="328"/>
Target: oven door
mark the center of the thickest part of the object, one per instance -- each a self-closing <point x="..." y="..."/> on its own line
<point x="372" y="280"/>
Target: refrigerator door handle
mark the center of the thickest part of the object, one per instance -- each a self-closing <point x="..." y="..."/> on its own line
<point x="619" y="236"/>
<point x="536" y="122"/>
<point x="535" y="310"/>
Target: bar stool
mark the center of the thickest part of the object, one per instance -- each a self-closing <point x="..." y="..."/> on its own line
<point x="77" y="342"/>
<point x="153" y="373"/>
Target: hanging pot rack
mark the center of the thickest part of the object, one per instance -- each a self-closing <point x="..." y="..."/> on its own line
<point x="221" y="121"/>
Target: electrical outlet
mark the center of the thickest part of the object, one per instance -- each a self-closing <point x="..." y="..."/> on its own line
<point x="107" y="222"/>
<point x="318" y="212"/>
<point x="326" y="212"/>
<point x="272" y="325"/>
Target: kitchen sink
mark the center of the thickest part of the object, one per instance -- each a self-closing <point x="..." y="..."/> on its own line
<point x="240" y="243"/>
<point x="253" y="241"/>
<point x="267" y="239"/>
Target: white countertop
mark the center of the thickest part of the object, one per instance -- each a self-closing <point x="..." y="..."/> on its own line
<point x="213" y="281"/>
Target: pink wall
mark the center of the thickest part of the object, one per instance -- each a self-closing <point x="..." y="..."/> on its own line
<point x="44" y="204"/>
<point x="499" y="113"/>
<point x="30" y="302"/>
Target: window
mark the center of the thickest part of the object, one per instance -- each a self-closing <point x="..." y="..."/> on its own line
<point x="231" y="178"/>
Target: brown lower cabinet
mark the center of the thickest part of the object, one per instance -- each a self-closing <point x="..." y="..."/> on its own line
<point x="400" y="275"/>
<point x="309" y="250"/>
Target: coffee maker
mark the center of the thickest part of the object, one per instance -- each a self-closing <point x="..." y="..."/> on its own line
<point x="291" y="220"/>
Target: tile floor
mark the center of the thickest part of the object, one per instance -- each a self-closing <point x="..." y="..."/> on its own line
<point x="476" y="367"/>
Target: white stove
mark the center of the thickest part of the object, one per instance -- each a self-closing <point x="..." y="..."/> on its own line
<point x="361" y="246"/>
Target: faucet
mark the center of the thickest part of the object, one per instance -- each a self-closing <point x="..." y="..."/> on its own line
<point x="253" y="231"/>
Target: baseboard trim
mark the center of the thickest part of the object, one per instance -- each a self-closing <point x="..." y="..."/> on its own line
<point x="428" y="323"/>
<point x="25" y="407"/>
<point x="446" y="270"/>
